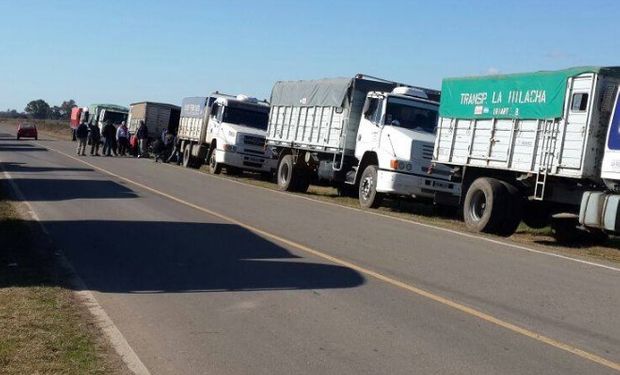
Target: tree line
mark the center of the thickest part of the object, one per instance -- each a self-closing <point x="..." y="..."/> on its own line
<point x="40" y="109"/>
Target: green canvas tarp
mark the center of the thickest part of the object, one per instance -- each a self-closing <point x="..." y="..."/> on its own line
<point x="537" y="95"/>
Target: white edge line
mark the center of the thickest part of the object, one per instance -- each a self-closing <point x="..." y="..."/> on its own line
<point x="102" y="320"/>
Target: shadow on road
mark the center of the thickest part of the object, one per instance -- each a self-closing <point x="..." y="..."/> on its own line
<point x="52" y="189"/>
<point x="175" y="257"/>
<point x="24" y="168"/>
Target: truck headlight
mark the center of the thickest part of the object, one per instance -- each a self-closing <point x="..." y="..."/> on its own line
<point x="230" y="148"/>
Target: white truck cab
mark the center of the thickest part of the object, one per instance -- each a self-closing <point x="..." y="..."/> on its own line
<point x="397" y="129"/>
<point x="365" y="136"/>
<point x="236" y="130"/>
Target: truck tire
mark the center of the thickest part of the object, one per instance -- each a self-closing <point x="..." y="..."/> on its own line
<point x="536" y="215"/>
<point x="564" y="229"/>
<point x="367" y="192"/>
<point x="214" y="166"/>
<point x="302" y="181"/>
<point x="514" y="213"/>
<point x="485" y="205"/>
<point x="187" y="156"/>
<point x="287" y="178"/>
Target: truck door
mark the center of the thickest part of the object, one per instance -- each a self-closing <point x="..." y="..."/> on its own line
<point x="575" y="130"/>
<point x="213" y="123"/>
<point x="370" y="126"/>
<point x="611" y="160"/>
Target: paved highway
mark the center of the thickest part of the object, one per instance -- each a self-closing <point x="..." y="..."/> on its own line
<point x="206" y="275"/>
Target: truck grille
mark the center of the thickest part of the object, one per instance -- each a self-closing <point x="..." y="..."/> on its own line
<point x="254" y="141"/>
<point x="427" y="151"/>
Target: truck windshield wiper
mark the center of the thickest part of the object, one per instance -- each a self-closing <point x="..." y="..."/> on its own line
<point x="391" y="144"/>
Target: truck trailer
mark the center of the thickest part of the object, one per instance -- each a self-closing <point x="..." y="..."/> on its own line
<point x="227" y="132"/>
<point x="156" y="116"/>
<point x="366" y="136"/>
<point x="98" y="114"/>
<point x="540" y="147"/>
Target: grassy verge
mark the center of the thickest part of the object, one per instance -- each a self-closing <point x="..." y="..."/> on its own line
<point x="420" y="212"/>
<point x="43" y="329"/>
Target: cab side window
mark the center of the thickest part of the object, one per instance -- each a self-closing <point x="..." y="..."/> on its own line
<point x="579" y="103"/>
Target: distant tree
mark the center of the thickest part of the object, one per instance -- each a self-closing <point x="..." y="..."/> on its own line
<point x="56" y="113"/>
<point x="65" y="108"/>
<point x="38" y="109"/>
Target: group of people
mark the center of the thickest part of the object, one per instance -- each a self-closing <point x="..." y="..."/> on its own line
<point x="116" y="139"/>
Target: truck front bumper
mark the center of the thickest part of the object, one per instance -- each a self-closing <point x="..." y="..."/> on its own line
<point x="393" y="182"/>
<point x="246" y="161"/>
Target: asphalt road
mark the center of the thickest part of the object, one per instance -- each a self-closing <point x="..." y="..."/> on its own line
<point x="206" y="275"/>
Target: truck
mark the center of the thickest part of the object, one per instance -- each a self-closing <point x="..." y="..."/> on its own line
<point x="542" y="148"/>
<point x="365" y="136"/>
<point x="227" y="132"/>
<point x="75" y="119"/>
<point x="97" y="114"/>
<point x="157" y="117"/>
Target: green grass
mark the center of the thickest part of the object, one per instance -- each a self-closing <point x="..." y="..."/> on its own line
<point x="43" y="329"/>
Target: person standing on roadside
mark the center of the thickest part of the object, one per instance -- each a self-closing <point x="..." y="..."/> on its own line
<point x="94" y="137"/>
<point x="109" y="133"/>
<point x="122" y="137"/>
<point x="176" y="151"/>
<point x="81" y="134"/>
<point x="142" y="134"/>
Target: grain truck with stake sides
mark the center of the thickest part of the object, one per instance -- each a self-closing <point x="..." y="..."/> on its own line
<point x="363" y="135"/>
<point x="540" y="147"/>
<point x="227" y="132"/>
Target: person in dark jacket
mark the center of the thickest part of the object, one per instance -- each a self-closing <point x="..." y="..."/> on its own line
<point x="176" y="151"/>
<point x="142" y="134"/>
<point x="109" y="134"/>
<point x="81" y="133"/>
<point x="94" y="137"/>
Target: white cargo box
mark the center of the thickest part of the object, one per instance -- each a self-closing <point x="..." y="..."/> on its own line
<point x="554" y="122"/>
<point x="321" y="115"/>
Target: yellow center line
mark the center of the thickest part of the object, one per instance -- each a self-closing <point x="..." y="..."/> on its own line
<point x="368" y="272"/>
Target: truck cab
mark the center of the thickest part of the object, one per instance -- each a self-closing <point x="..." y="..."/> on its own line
<point x="98" y="114"/>
<point x="395" y="141"/>
<point x="236" y="130"/>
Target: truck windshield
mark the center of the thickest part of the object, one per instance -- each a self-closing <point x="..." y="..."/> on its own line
<point x="411" y="114"/>
<point x="253" y="119"/>
<point x="614" y="132"/>
<point x="114" y="117"/>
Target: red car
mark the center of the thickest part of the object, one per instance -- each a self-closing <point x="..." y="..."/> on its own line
<point x="27" y="131"/>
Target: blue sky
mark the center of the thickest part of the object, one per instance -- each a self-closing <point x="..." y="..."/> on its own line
<point x="126" y="51"/>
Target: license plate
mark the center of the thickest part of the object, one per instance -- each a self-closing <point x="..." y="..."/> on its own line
<point x="253" y="160"/>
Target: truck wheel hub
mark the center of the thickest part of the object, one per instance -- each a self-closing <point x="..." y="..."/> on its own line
<point x="478" y="205"/>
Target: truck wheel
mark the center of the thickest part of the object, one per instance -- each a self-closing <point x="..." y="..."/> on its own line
<point x="536" y="215"/>
<point x="214" y="166"/>
<point x="564" y="228"/>
<point x="514" y="213"/>
<point x="485" y="205"/>
<point x="187" y="156"/>
<point x="368" y="196"/>
<point x="303" y="181"/>
<point x="287" y="179"/>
